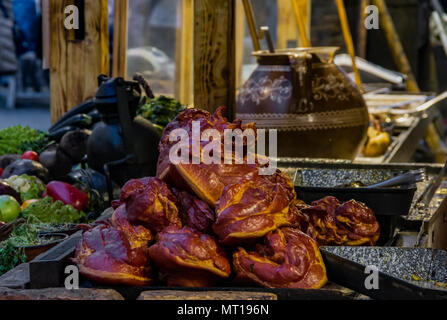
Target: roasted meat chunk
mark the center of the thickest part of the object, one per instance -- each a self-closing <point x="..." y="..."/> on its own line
<point x="188" y="258"/>
<point x="358" y="223"/>
<point x="107" y="255"/>
<point x="194" y="212"/>
<point x="137" y="235"/>
<point x="287" y="259"/>
<point x="251" y="208"/>
<point x="207" y="181"/>
<point x="150" y="203"/>
<point x="332" y="223"/>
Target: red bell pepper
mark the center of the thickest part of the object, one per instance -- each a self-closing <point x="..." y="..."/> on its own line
<point x="67" y="194"/>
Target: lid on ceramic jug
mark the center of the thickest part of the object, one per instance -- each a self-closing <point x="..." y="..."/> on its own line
<point x="326" y="54"/>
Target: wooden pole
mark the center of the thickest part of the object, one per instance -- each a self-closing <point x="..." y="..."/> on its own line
<point x="397" y="51"/>
<point x="184" y="52"/>
<point x="252" y="24"/>
<point x="348" y="40"/>
<point x="214" y="55"/>
<point x="300" y="18"/>
<point x="239" y="46"/>
<point x="75" y="65"/>
<point x="119" y="68"/>
<point x="361" y="30"/>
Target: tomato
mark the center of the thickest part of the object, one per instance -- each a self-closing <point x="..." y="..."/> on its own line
<point x="31" y="155"/>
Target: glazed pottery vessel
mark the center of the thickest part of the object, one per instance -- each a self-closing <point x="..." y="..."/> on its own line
<point x="317" y="110"/>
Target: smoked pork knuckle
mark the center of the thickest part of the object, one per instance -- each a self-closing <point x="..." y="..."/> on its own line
<point x="194" y="212"/>
<point x="251" y="208"/>
<point x="349" y="224"/>
<point x="206" y="181"/>
<point x="109" y="256"/>
<point x="287" y="259"/>
<point x="150" y="203"/>
<point x="188" y="258"/>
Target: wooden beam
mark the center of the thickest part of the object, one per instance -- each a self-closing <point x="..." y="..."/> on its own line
<point x="120" y="34"/>
<point x="395" y="45"/>
<point x="239" y="46"/>
<point x="75" y="65"/>
<point x="184" y="51"/>
<point x="214" y="55"/>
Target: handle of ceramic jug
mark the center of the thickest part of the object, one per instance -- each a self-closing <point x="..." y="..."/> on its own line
<point x="301" y="64"/>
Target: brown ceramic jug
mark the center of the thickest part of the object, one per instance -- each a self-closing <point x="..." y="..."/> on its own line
<point x="317" y="110"/>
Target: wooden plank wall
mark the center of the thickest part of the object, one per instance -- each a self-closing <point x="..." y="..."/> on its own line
<point x="287" y="23"/>
<point x="184" y="52"/>
<point x="214" y="55"/>
<point x="119" y="68"/>
<point x="75" y="65"/>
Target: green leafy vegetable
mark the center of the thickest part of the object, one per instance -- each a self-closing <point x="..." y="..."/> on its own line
<point x="29" y="187"/>
<point x="26" y="234"/>
<point x="39" y="145"/>
<point x="11" y="138"/>
<point x="49" y="211"/>
<point x="161" y="111"/>
<point x="10" y="256"/>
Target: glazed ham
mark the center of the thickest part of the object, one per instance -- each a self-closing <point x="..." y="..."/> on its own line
<point x="207" y="181"/>
<point x="349" y="224"/>
<point x="287" y="259"/>
<point x="188" y="258"/>
<point x="251" y="208"/>
<point x="149" y="202"/>
<point x="194" y="212"/>
<point x="107" y="255"/>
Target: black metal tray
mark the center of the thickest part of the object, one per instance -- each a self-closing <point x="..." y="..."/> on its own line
<point x="404" y="273"/>
<point x="313" y="184"/>
<point x="384" y="202"/>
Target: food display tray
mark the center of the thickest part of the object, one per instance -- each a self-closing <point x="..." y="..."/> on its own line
<point x="403" y="273"/>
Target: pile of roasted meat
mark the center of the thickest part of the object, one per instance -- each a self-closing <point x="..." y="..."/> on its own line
<point x="209" y="224"/>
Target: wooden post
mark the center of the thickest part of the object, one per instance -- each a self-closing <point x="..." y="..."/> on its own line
<point x="288" y="28"/>
<point x="348" y="40"/>
<point x="184" y="51"/>
<point x="397" y="51"/>
<point x="239" y="45"/>
<point x="119" y="68"/>
<point x="75" y="65"/>
<point x="214" y="55"/>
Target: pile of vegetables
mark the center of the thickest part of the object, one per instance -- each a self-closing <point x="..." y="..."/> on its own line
<point x="14" y="139"/>
<point x="160" y="111"/>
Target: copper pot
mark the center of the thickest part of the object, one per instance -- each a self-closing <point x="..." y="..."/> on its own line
<point x="317" y="110"/>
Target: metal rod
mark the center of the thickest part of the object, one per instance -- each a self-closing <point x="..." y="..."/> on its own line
<point x="397" y="51"/>
<point x="362" y="31"/>
<point x="348" y="40"/>
<point x="264" y="32"/>
<point x="301" y="25"/>
<point x="252" y="24"/>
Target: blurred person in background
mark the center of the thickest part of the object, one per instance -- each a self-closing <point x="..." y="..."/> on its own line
<point x="8" y="61"/>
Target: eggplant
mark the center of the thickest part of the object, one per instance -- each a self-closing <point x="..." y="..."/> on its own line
<point x="7" y="159"/>
<point x="74" y="144"/>
<point x="28" y="167"/>
<point x="84" y="107"/>
<point x="7" y="190"/>
<point x="56" y="161"/>
<point x="58" y="134"/>
<point x="79" y="121"/>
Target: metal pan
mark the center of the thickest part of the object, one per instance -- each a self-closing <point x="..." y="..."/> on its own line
<point x="404" y="273"/>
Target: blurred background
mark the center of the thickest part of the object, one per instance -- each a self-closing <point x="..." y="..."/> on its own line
<point x="153" y="47"/>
